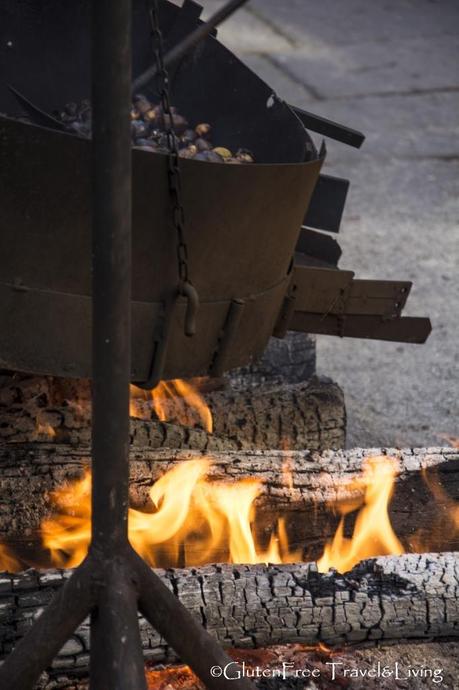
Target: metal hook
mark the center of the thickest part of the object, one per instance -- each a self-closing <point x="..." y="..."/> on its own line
<point x="192" y="307"/>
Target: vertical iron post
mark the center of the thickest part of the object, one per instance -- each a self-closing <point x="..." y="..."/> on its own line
<point x="116" y="652"/>
<point x="111" y="266"/>
<point x="113" y="578"/>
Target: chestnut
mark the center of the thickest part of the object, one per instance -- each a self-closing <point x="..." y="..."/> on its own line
<point x="188" y="152"/>
<point x="202" y="144"/>
<point x="151" y="115"/>
<point x="245" y="156"/>
<point x="223" y="152"/>
<point x="142" y="104"/>
<point x="208" y="157"/>
<point x="203" y="129"/>
<point x="138" y="129"/>
<point x="188" y="137"/>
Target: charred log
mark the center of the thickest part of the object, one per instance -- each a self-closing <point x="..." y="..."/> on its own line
<point x="288" y="360"/>
<point x="305" y="415"/>
<point x="301" y="486"/>
<point x="384" y="599"/>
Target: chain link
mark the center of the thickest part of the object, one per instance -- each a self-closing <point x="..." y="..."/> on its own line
<point x="175" y="179"/>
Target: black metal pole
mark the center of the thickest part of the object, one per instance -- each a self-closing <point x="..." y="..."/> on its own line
<point x="113" y="578"/>
<point x="111" y="265"/>
<point x="190" y="41"/>
<point x="34" y="653"/>
<point x="116" y="654"/>
<point x="193" y="644"/>
<point x="116" y="647"/>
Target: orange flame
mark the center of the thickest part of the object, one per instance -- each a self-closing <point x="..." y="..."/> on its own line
<point x="192" y="521"/>
<point x="174" y="401"/>
<point x="7" y="561"/>
<point x="67" y="535"/>
<point x="443" y="524"/>
<point x="373" y="534"/>
<point x="45" y="429"/>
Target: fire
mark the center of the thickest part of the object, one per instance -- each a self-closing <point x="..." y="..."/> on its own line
<point x="175" y="401"/>
<point x="7" y="561"/>
<point x="67" y="535"/>
<point x="451" y="507"/>
<point x="444" y="524"/>
<point x="192" y="521"/>
<point x="45" y="429"/>
<point x="373" y="534"/>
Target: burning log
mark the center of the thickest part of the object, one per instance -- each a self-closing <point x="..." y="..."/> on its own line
<point x="383" y="599"/>
<point x="303" y="488"/>
<point x="302" y="415"/>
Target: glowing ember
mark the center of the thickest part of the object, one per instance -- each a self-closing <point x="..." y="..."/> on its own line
<point x="175" y="401"/>
<point x="373" y="534"/>
<point x="270" y="659"/>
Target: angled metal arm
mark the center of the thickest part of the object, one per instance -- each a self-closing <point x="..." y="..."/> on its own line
<point x="36" y="650"/>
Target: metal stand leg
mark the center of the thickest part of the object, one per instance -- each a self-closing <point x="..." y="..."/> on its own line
<point x="35" y="651"/>
<point x="108" y="582"/>
<point x="116" y="648"/>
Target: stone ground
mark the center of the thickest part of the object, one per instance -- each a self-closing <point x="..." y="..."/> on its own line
<point x="388" y="68"/>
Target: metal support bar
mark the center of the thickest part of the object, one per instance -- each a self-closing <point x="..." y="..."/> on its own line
<point x="190" y="640"/>
<point x="319" y="245"/>
<point x="328" y="128"/>
<point x="327" y="204"/>
<point x="111" y="285"/>
<point x="230" y="329"/>
<point x="35" y="651"/>
<point x="115" y="635"/>
<point x="117" y="572"/>
<point x="116" y="655"/>
<point x="190" y="41"/>
<point x="409" y="329"/>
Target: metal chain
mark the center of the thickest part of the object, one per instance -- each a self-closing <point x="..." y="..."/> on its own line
<point x="175" y="180"/>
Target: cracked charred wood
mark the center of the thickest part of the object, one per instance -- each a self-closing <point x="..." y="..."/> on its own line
<point x="303" y="415"/>
<point x="301" y="486"/>
<point x="384" y="599"/>
<point x="288" y="360"/>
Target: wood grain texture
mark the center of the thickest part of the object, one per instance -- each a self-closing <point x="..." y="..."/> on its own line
<point x="406" y="597"/>
<point x="28" y="472"/>
<point x="298" y="415"/>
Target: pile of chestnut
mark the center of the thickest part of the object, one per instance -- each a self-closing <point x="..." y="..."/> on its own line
<point x="148" y="127"/>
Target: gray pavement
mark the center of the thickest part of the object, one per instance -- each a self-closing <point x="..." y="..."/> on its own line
<point x="389" y="68"/>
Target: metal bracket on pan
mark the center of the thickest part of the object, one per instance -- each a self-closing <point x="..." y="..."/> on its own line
<point x="319" y="246"/>
<point x="161" y="337"/>
<point x="327" y="203"/>
<point x="408" y="329"/>
<point x="333" y="302"/>
<point x="227" y="337"/>
<point x="330" y="129"/>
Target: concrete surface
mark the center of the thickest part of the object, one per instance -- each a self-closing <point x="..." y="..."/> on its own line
<point x="389" y="68"/>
